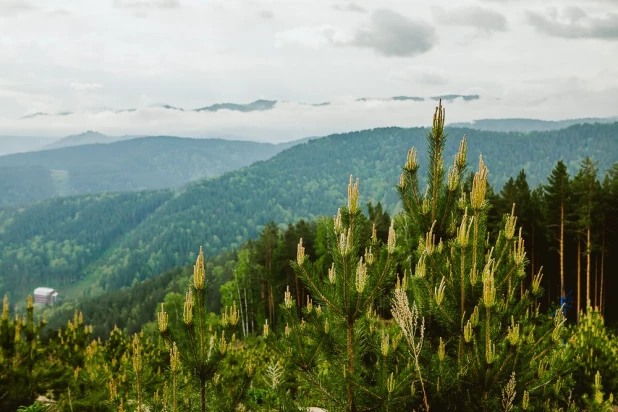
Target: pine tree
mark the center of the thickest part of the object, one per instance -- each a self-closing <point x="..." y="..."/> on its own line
<point x="206" y="346"/>
<point x="345" y="356"/>
<point x="20" y="351"/>
<point x="556" y="194"/>
<point x="486" y="346"/>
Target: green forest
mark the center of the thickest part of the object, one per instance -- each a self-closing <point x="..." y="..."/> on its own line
<point x="156" y="162"/>
<point x="420" y="288"/>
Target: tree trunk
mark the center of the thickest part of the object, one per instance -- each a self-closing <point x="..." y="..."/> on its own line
<point x="588" y="267"/>
<point x="596" y="278"/>
<point x="601" y="299"/>
<point x="579" y="270"/>
<point x="350" y="367"/>
<point x="562" y="288"/>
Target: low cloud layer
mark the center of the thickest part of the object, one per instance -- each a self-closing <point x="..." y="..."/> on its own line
<point x="471" y="16"/>
<point x="574" y="22"/>
<point x="289" y="121"/>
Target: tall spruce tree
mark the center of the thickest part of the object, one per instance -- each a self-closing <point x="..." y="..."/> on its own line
<point x="556" y="193"/>
<point x="486" y="346"/>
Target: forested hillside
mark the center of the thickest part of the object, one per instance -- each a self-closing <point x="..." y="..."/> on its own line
<point x="136" y="164"/>
<point x="308" y="180"/>
<point x="305" y="181"/>
<point x="52" y="243"/>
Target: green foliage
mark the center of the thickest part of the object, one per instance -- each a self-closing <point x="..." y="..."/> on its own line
<point x="595" y="351"/>
<point x="35" y="407"/>
<point x="21" y="352"/>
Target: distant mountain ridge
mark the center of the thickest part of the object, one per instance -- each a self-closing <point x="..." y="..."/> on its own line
<point x="529" y="125"/>
<point x="131" y="164"/>
<point x="89" y="137"/>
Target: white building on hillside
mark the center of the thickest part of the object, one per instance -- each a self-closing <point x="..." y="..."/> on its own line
<point x="45" y="296"/>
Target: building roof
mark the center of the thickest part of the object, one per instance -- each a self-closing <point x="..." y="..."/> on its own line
<point x="44" y="291"/>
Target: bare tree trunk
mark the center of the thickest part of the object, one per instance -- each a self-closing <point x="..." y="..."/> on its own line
<point x="350" y="368"/>
<point x="588" y="267"/>
<point x="532" y="262"/>
<point x="579" y="270"/>
<point x="246" y="312"/>
<point x="271" y="305"/>
<point x="601" y="298"/>
<point x="242" y="316"/>
<point x="562" y="288"/>
<point x="596" y="278"/>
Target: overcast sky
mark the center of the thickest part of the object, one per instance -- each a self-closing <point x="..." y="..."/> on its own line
<point x="541" y="59"/>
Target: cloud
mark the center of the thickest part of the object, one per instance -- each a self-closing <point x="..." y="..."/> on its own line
<point x="14" y="7"/>
<point x="266" y="14"/>
<point x="353" y="7"/>
<point x="388" y="33"/>
<point x="394" y="35"/>
<point x="575" y="23"/>
<point x="472" y="16"/>
<point x="289" y="121"/>
<point x="85" y="86"/>
<point x="146" y="4"/>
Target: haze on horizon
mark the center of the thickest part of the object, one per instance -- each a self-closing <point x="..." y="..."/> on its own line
<point x="554" y="60"/>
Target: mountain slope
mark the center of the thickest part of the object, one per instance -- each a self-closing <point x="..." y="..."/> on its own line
<point x="528" y="125"/>
<point x="136" y="164"/>
<point x="52" y="242"/>
<point x="308" y="180"/>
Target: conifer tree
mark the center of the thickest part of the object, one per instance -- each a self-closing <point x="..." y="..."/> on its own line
<point x="345" y="357"/>
<point x="20" y="350"/>
<point x="556" y="193"/>
<point x="206" y="346"/>
<point x="487" y="346"/>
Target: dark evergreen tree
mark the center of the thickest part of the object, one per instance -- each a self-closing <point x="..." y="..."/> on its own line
<point x="557" y="210"/>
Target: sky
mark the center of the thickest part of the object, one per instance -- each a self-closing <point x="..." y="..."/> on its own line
<point x="524" y="58"/>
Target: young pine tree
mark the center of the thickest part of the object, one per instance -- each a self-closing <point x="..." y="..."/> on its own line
<point x="345" y="357"/>
<point x="486" y="346"/>
<point x="21" y="352"/>
<point x="206" y="345"/>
